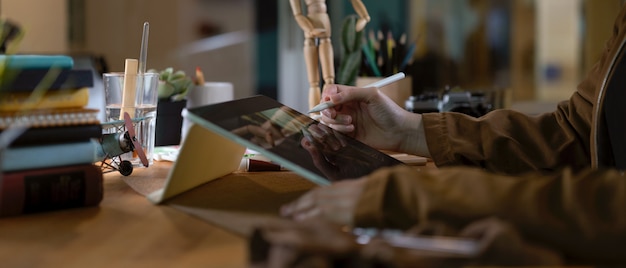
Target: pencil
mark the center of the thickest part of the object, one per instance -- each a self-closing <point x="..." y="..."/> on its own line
<point x="369" y="56"/>
<point x="199" y="77"/>
<point x="407" y="57"/>
<point x="129" y="88"/>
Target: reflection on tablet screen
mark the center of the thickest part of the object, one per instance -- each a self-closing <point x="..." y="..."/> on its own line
<point x="292" y="139"/>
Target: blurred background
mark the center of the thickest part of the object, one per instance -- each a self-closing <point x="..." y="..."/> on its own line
<point x="533" y="53"/>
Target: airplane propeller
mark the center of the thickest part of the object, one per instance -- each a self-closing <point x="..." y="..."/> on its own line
<point x="138" y="148"/>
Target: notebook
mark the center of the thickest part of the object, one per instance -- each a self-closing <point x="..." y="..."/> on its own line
<point x="221" y="132"/>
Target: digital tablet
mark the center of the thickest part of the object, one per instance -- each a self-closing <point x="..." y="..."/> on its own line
<point x="291" y="139"/>
<point x="220" y="134"/>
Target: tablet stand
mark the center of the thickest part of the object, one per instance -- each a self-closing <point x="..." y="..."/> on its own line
<point x="204" y="156"/>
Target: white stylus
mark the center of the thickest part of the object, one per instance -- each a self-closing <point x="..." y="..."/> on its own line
<point x="378" y="84"/>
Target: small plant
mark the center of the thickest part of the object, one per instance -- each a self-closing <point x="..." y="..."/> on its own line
<point x="351" y="42"/>
<point x="173" y="86"/>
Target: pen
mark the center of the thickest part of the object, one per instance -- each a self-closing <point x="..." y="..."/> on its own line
<point x="378" y="84"/>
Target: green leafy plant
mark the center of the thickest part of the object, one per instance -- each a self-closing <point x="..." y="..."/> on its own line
<point x="173" y="85"/>
<point x="351" y="42"/>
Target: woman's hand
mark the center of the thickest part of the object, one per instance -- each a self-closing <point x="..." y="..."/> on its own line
<point x="374" y="119"/>
<point x="335" y="203"/>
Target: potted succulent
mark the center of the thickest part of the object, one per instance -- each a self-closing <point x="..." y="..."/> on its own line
<point x="351" y="42"/>
<point x="172" y="93"/>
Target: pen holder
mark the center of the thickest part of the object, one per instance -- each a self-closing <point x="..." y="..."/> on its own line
<point x="399" y="91"/>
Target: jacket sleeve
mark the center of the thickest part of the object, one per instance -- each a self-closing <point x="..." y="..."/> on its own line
<point x="510" y="142"/>
<point x="576" y="214"/>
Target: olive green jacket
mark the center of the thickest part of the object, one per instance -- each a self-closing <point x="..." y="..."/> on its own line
<point x="548" y="175"/>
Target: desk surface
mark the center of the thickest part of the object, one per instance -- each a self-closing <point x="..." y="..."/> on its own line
<point x="125" y="230"/>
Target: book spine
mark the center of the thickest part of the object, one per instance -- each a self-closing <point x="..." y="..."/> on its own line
<point x="61" y="134"/>
<point x="50" y="189"/>
<point x="32" y="61"/>
<point x="29" y="80"/>
<point x="50" y="155"/>
<point x="20" y="101"/>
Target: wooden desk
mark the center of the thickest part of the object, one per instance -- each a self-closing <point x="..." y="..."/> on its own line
<point x="126" y="230"/>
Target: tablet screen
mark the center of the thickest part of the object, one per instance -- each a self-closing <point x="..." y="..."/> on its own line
<point x="291" y="139"/>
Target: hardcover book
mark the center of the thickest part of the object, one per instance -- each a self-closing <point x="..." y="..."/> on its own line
<point x="50" y="155"/>
<point x="36" y="61"/>
<point x="60" y="134"/>
<point x="50" y="189"/>
<point x="66" y="98"/>
<point x="29" y="79"/>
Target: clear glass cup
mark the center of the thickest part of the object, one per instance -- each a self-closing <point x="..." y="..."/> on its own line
<point x="145" y="104"/>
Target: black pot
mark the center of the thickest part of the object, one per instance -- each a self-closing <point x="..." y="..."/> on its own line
<point x="169" y="122"/>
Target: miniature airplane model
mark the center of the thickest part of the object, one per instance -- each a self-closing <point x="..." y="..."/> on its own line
<point x="118" y="143"/>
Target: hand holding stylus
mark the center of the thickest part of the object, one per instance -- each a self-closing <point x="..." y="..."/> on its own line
<point x="368" y="115"/>
<point x="381" y="83"/>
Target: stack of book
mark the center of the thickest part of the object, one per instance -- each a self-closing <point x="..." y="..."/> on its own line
<point x="50" y="165"/>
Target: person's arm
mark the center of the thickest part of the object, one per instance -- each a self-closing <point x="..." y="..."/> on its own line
<point x="510" y="142"/>
<point x="579" y="214"/>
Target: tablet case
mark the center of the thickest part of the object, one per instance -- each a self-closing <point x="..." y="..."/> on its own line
<point x="204" y="156"/>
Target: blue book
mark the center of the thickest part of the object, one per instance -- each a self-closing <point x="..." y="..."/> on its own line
<point x="50" y="155"/>
<point x="32" y="61"/>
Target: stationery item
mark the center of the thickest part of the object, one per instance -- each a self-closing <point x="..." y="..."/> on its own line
<point x="455" y="246"/>
<point x="48" y="189"/>
<point x="381" y="83"/>
<point x="371" y="60"/>
<point x="143" y="55"/>
<point x="49" y="117"/>
<point x="199" y="77"/>
<point x="50" y="155"/>
<point x="60" y="134"/>
<point x="398" y="56"/>
<point x="398" y="92"/>
<point x="129" y="90"/>
<point x="221" y="133"/>
<point x="68" y="98"/>
<point x="408" y="57"/>
<point x="29" y="79"/>
<point x="256" y="165"/>
<point x="385" y="55"/>
<point x="166" y="153"/>
<point x="391" y="47"/>
<point x="254" y="162"/>
<point x="411" y="160"/>
<point x="32" y="61"/>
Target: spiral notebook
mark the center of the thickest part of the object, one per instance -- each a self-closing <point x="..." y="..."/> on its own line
<point x="49" y="117"/>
